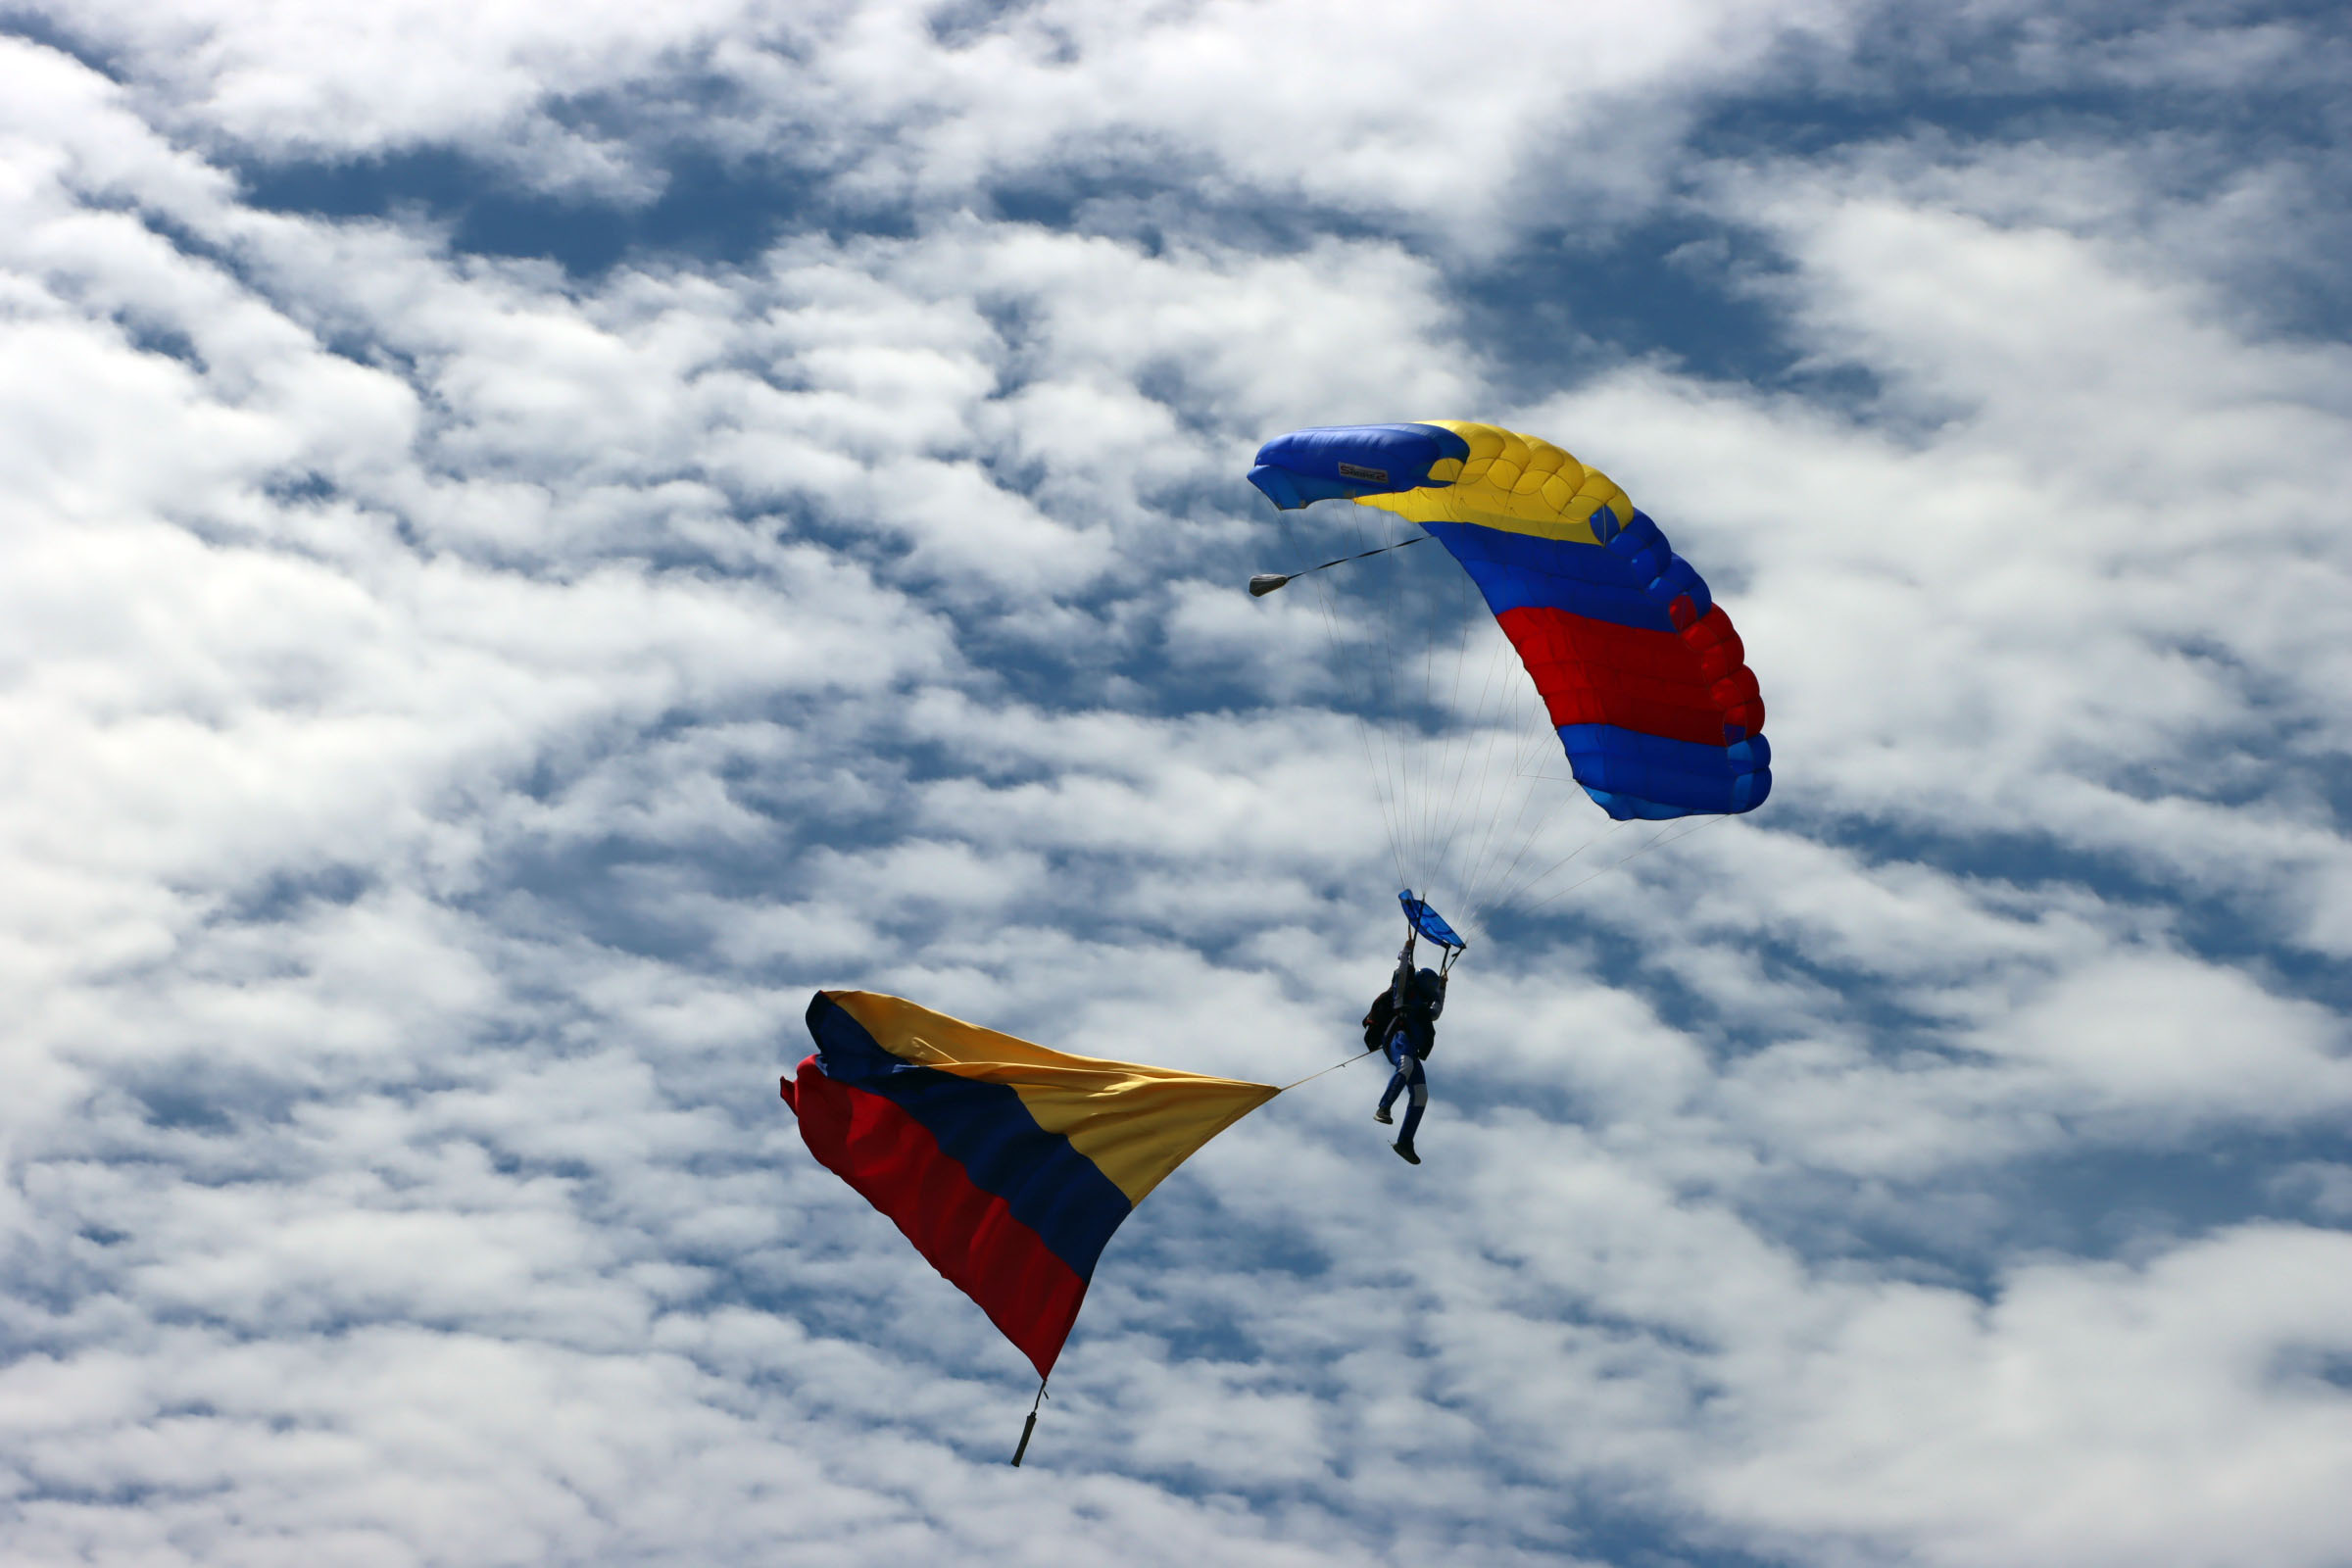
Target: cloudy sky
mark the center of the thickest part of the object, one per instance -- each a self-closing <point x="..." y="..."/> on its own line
<point x="532" y="536"/>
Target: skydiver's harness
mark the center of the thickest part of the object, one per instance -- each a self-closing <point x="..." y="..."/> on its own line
<point x="1405" y="1004"/>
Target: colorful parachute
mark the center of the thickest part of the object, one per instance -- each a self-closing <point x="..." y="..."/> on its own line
<point x="1007" y="1165"/>
<point x="1640" y="670"/>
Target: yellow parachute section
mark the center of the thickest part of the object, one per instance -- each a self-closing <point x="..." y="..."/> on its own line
<point x="1517" y="483"/>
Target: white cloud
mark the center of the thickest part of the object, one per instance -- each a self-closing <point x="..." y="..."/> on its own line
<point x="454" y="711"/>
<point x="1393" y="109"/>
<point x="2170" y="1377"/>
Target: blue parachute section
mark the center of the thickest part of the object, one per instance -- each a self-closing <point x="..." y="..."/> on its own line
<point x="1341" y="462"/>
<point x="1426" y="920"/>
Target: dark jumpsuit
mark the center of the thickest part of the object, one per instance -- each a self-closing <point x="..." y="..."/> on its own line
<point x="1414" y="1002"/>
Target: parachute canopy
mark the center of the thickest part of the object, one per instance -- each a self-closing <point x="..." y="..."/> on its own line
<point x="1640" y="670"/>
<point x="1006" y="1164"/>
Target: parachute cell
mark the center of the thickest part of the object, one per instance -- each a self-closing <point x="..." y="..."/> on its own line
<point x="1006" y="1164"/>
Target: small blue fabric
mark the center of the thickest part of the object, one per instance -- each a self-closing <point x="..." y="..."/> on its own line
<point x="1426" y="920"/>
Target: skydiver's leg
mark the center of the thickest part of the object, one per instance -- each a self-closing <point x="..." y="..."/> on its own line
<point x="1419" y="1102"/>
<point x="1399" y="1055"/>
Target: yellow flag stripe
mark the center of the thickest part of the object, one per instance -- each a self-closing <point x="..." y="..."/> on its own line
<point x="1135" y="1121"/>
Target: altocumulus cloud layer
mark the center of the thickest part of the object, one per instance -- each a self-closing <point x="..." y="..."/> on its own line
<point x="537" y="535"/>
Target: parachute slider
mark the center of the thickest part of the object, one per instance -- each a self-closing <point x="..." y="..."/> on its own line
<point x="1426" y="921"/>
<point x="1264" y="583"/>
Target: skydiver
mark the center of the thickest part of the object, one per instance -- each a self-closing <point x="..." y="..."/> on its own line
<point x="1402" y="1023"/>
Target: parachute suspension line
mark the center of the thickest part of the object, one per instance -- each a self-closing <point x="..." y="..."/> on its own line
<point x="1415" y="736"/>
<point x="1499" y="882"/>
<point x="1381" y="693"/>
<point x="1355" y="684"/>
<point x="1376" y="758"/>
<point x="1359" y="686"/>
<point x="1420" y="743"/>
<point x="1435" y="719"/>
<point x="1445" y="794"/>
<point x="1493" y="814"/>
<point x="1349" y="663"/>
<point x="1503" y="704"/>
<point x="1450" y="748"/>
<point x="1029" y="1426"/>
<point x="1453" y="814"/>
<point x="1508" y="887"/>
<point x="1442" y="820"/>
<point x="1379" y="674"/>
<point x="1397" y="730"/>
<point x="1523" y="834"/>
<point x="1493" y="873"/>
<point x="1491" y="719"/>
<point x="1474" y="904"/>
<point x="1401" y="735"/>
<point x="1403" y="755"/>
<point x="1662" y="840"/>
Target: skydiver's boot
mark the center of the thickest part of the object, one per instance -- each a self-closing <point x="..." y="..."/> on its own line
<point x="1380" y="1114"/>
<point x="1404" y="1151"/>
